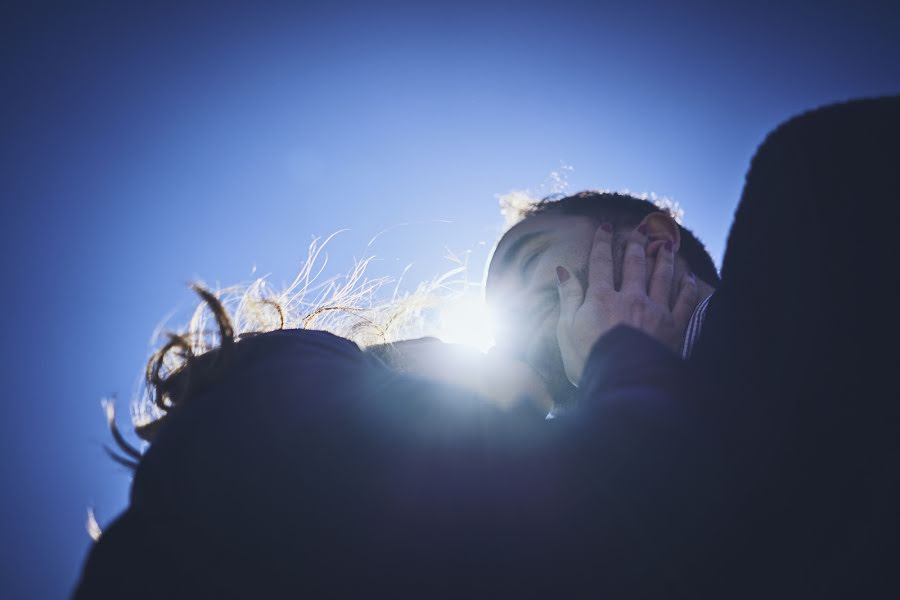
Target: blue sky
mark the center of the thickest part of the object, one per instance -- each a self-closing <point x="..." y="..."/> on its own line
<point x="147" y="146"/>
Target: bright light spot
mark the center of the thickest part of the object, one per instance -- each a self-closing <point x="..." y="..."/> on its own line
<point x="467" y="321"/>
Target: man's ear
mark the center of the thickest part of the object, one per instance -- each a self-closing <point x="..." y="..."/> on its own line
<point x="662" y="228"/>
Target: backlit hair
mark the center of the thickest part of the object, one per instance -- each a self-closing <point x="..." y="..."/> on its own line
<point x="350" y="306"/>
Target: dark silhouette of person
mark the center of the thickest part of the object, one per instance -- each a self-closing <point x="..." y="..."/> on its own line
<point x="294" y="465"/>
<point x="797" y="347"/>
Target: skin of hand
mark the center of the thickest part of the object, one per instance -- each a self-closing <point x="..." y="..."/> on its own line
<point x="585" y="315"/>
<point x="501" y="379"/>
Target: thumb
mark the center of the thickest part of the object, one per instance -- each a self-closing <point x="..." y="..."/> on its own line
<point x="571" y="296"/>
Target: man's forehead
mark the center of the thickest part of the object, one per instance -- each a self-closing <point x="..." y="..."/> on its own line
<point x="550" y="223"/>
<point x="529" y="229"/>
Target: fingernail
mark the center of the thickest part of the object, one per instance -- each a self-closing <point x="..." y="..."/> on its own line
<point x="562" y="275"/>
<point x="607" y="227"/>
<point x="642" y="229"/>
<point x="669" y="245"/>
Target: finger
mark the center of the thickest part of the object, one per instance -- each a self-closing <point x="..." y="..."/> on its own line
<point x="634" y="265"/>
<point x="600" y="267"/>
<point x="660" y="288"/>
<point x="571" y="296"/>
<point x="687" y="301"/>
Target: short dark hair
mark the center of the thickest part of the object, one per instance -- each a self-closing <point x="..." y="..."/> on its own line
<point x="623" y="210"/>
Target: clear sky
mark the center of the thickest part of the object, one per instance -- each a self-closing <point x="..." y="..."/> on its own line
<point x="147" y="146"/>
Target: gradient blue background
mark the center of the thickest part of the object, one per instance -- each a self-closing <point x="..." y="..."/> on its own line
<point x="144" y="147"/>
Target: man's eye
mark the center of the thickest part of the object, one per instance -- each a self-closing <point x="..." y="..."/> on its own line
<point x="529" y="262"/>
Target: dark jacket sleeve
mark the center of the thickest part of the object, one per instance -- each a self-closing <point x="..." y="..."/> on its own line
<point x="626" y="365"/>
<point x="642" y="467"/>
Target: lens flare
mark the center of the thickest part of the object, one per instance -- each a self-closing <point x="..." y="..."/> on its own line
<point x="467" y="321"/>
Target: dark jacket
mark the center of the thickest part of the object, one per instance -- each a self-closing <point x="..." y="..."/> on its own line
<point x="798" y="353"/>
<point x="311" y="469"/>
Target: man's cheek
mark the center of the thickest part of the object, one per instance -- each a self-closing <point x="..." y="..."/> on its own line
<point x="542" y="351"/>
<point x="553" y="371"/>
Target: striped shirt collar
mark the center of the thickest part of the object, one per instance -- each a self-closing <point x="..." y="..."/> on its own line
<point x="695" y="325"/>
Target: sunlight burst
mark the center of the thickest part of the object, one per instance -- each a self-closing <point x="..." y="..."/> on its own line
<point x="467" y="321"/>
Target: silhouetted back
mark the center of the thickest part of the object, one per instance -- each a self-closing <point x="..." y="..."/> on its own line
<point x="799" y="345"/>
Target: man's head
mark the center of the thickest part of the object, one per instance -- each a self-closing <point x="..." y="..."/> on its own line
<point x="521" y="283"/>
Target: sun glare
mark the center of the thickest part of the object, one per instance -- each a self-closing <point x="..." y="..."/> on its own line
<point x="467" y="321"/>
